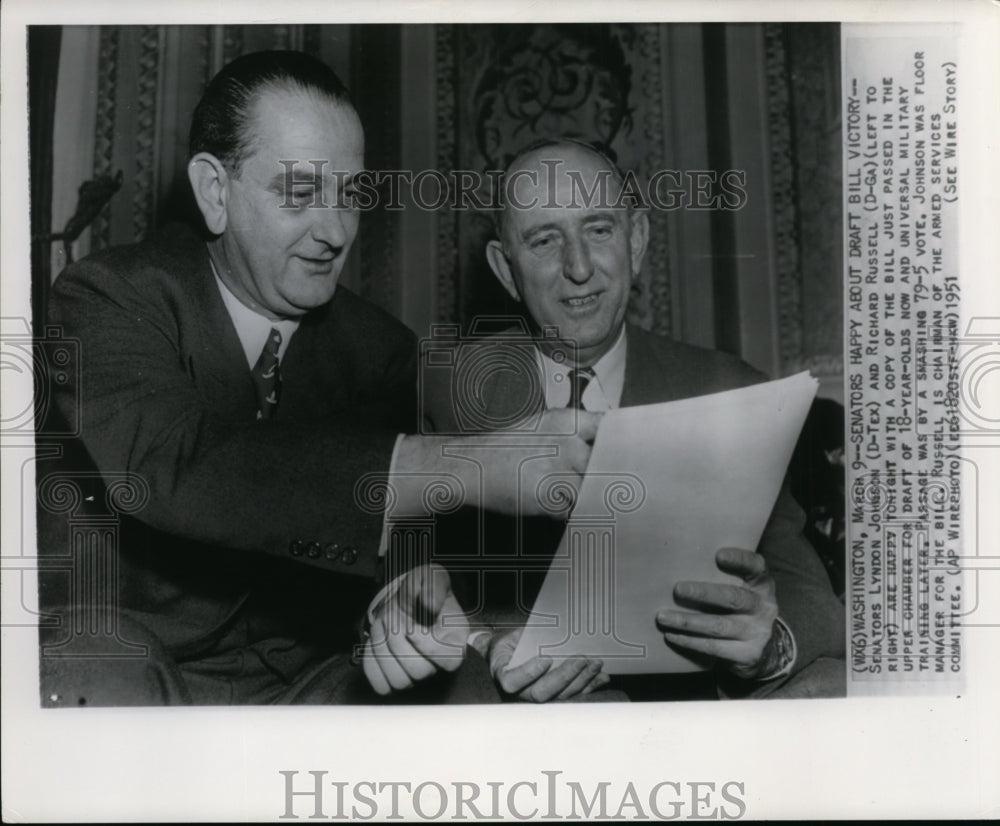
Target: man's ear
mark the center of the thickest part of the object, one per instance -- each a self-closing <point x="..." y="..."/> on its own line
<point x="210" y="183"/>
<point x="638" y="238"/>
<point x="501" y="268"/>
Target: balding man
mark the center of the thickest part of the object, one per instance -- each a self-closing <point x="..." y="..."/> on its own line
<point x="570" y="249"/>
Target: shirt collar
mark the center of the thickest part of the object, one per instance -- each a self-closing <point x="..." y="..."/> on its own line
<point x="604" y="391"/>
<point x="251" y="327"/>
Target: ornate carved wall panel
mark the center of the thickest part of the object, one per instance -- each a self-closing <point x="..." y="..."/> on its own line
<point x="516" y="83"/>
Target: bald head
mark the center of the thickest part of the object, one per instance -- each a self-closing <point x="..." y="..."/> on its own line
<point x="585" y="174"/>
<point x="570" y="246"/>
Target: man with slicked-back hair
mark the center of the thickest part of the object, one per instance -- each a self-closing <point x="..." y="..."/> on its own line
<point x="252" y="398"/>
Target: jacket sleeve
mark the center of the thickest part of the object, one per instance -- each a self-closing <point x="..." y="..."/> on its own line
<point x="276" y="487"/>
<point x="806" y="601"/>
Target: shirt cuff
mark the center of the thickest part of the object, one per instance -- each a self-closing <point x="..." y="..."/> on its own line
<point x="383" y="543"/>
<point x="386" y="593"/>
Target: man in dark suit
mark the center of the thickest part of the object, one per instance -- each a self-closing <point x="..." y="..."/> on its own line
<point x="249" y="401"/>
<point x="572" y="263"/>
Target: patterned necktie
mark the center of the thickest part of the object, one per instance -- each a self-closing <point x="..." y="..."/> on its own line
<point x="267" y="377"/>
<point x="579" y="378"/>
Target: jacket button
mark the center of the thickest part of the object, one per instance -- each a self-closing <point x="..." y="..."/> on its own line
<point x="349" y="555"/>
<point x="331" y="551"/>
<point x="297" y="548"/>
<point x="313" y="550"/>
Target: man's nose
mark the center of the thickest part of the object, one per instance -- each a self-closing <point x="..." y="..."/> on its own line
<point x="577" y="265"/>
<point x="330" y="227"/>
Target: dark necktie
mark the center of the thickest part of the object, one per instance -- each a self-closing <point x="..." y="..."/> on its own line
<point x="579" y="378"/>
<point x="267" y="377"/>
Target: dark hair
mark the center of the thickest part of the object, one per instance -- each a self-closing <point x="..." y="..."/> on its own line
<point x="219" y="123"/>
<point x="499" y="215"/>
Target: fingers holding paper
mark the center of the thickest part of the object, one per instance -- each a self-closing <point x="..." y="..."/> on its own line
<point x="542" y="679"/>
<point x="417" y="630"/>
<point x="733" y="623"/>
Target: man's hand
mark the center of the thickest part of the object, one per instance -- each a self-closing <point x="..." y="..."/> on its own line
<point x="734" y="623"/>
<point x="539" y="680"/>
<point x="409" y="640"/>
<point x="539" y="475"/>
<point x="510" y="472"/>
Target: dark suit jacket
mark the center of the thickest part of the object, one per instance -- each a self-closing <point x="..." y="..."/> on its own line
<point x="656" y="370"/>
<point x="241" y="514"/>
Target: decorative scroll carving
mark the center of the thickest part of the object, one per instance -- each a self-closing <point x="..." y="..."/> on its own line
<point x="550" y="80"/>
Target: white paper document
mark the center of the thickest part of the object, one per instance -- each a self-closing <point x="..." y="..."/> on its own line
<point x="667" y="486"/>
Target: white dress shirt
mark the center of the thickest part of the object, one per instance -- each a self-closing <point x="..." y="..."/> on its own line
<point x="603" y="392"/>
<point x="252" y="327"/>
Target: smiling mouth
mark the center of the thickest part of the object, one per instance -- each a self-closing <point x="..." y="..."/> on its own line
<point x="582" y="302"/>
<point x="325" y="261"/>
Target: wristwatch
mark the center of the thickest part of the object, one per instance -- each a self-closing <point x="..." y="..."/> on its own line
<point x="785" y="651"/>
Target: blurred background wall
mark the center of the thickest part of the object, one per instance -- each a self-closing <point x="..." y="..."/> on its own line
<point x="111" y="105"/>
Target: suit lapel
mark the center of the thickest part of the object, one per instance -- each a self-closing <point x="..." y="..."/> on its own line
<point x="310" y="365"/>
<point x="214" y="354"/>
<point x="658" y="369"/>
<point x="644" y="375"/>
<point x="314" y="381"/>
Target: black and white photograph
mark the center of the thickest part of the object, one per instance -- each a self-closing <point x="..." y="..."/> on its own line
<point x="573" y="418"/>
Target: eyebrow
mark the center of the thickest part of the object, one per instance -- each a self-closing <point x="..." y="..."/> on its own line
<point x="283" y="179"/>
<point x="305" y="179"/>
<point x="531" y="232"/>
<point x="602" y="216"/>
